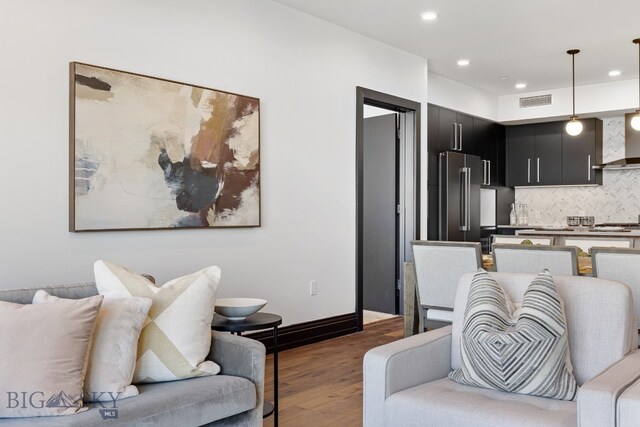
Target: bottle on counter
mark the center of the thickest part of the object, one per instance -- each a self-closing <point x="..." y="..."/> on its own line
<point x="513" y="219"/>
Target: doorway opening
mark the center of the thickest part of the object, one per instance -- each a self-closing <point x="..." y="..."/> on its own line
<point x="387" y="199"/>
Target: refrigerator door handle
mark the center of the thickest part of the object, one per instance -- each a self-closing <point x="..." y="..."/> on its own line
<point x="488" y="172"/>
<point x="460" y="137"/>
<point x="465" y="208"/>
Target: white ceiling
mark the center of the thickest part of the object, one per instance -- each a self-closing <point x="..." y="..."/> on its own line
<point x="523" y="40"/>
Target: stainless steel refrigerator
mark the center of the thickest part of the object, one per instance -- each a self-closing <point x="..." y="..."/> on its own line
<point x="460" y="181"/>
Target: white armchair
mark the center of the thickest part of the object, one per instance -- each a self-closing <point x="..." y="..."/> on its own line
<point x="406" y="384"/>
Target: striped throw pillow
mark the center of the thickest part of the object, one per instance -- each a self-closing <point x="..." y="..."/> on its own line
<point x="524" y="351"/>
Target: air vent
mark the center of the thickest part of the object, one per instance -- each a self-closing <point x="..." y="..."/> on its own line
<point x="535" y="101"/>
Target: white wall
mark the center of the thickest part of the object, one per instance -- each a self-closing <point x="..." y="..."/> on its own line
<point x="591" y="101"/>
<point x="303" y="69"/>
<point x="461" y="97"/>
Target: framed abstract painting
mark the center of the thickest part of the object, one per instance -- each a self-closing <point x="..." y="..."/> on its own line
<point x="150" y="153"/>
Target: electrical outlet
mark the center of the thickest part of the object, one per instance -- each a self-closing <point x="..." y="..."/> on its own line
<point x="313" y="288"/>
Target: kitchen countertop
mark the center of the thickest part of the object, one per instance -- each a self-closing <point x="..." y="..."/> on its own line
<point x="582" y="233"/>
<point x="519" y="226"/>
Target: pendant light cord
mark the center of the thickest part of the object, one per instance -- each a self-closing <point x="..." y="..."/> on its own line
<point x="637" y="41"/>
<point x="573" y="53"/>
<point x="573" y="82"/>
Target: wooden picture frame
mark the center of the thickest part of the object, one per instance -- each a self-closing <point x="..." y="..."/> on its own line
<point x="147" y="153"/>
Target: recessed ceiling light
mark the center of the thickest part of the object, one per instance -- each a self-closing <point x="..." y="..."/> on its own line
<point x="503" y="77"/>
<point x="614" y="73"/>
<point x="429" y="16"/>
<point x="521" y="85"/>
<point x="463" y="62"/>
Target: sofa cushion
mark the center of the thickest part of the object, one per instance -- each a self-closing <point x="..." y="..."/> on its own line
<point x="190" y="402"/>
<point x="523" y="352"/>
<point x="43" y="356"/>
<point x="445" y="403"/>
<point x="112" y="359"/>
<point x="176" y="338"/>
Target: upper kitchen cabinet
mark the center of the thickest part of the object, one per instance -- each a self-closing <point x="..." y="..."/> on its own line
<point x="450" y="130"/>
<point x="455" y="132"/>
<point x="520" y="153"/>
<point x="544" y="154"/>
<point x="489" y="144"/>
<point x="547" y="163"/>
<point x="580" y="153"/>
<point x="433" y="144"/>
<point x="534" y="154"/>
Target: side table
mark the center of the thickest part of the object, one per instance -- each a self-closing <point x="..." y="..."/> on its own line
<point x="256" y="322"/>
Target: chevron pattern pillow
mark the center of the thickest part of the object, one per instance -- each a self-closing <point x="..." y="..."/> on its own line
<point x="176" y="337"/>
<point x="524" y="351"/>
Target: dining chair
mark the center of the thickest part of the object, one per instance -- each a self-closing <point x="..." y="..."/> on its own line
<point x="620" y="265"/>
<point x="559" y="260"/>
<point x="517" y="239"/>
<point x="587" y="244"/>
<point x="438" y="268"/>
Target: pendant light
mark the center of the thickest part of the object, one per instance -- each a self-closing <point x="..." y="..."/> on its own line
<point x="574" y="127"/>
<point x="635" y="121"/>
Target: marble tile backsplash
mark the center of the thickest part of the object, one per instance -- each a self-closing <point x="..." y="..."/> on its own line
<point x="616" y="200"/>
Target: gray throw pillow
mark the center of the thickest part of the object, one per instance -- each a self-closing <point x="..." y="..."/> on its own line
<point x="524" y="351"/>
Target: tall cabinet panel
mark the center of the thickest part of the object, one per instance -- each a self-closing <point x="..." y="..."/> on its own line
<point x="433" y="143"/>
<point x="581" y="152"/>
<point x="520" y="155"/>
<point x="548" y="154"/>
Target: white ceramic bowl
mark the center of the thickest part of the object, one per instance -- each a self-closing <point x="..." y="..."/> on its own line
<point x="238" y="308"/>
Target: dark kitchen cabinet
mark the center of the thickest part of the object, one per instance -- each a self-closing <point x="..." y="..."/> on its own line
<point x="433" y="143"/>
<point x="489" y="145"/>
<point x="544" y="154"/>
<point x="520" y="152"/>
<point x="581" y="152"/>
<point x="455" y="131"/>
<point x="547" y="162"/>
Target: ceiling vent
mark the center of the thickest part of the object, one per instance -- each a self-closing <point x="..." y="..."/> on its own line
<point x="535" y="101"/>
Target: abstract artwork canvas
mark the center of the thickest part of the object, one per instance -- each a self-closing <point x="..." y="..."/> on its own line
<point x="149" y="153"/>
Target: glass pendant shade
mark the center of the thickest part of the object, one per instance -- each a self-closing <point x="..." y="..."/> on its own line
<point x="574" y="127"/>
<point x="635" y="121"/>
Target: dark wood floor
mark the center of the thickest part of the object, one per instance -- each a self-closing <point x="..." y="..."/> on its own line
<point x="321" y="384"/>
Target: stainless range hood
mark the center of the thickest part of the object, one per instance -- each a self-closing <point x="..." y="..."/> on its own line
<point x="631" y="158"/>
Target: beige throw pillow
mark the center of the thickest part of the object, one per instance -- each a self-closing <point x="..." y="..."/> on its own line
<point x="115" y="344"/>
<point x="43" y="356"/>
<point x="176" y="338"/>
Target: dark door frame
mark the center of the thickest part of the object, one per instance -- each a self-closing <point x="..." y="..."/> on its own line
<point x="393" y="103"/>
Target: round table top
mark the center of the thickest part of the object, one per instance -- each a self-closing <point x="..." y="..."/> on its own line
<point x="252" y="323"/>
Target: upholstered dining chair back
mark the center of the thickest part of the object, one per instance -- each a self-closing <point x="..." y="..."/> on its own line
<point x="500" y="238"/>
<point x="439" y="266"/>
<point x="559" y="260"/>
<point x="620" y="265"/>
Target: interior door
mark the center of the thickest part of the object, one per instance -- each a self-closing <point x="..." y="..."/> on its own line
<point x="380" y="214"/>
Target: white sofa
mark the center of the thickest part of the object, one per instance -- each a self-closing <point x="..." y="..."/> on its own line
<point x="406" y="384"/>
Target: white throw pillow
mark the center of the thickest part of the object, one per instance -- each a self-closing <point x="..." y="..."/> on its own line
<point x="112" y="359"/>
<point x="519" y="351"/>
<point x="176" y="338"/>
